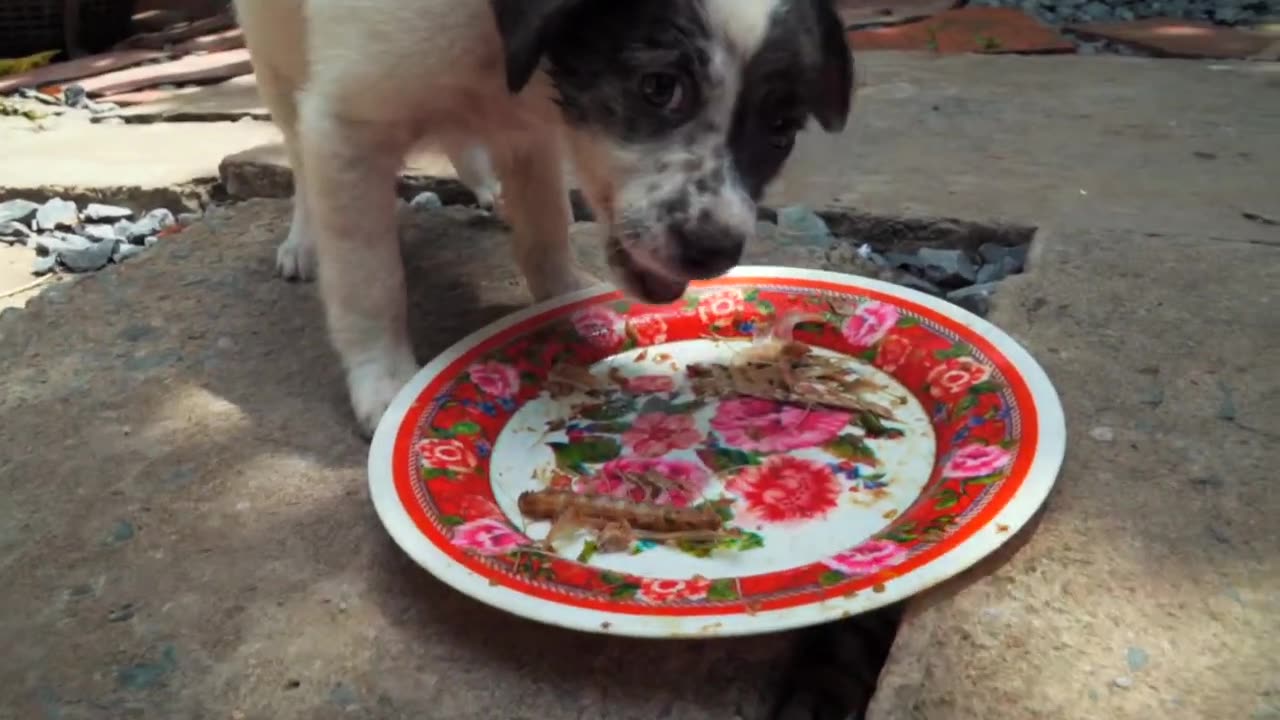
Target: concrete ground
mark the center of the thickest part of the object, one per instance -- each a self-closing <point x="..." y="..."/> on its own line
<point x="187" y="532"/>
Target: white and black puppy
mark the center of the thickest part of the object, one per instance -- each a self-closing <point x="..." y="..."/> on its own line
<point x="675" y="114"/>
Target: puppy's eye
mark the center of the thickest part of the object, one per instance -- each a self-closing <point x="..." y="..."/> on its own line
<point x="664" y="91"/>
<point x="782" y="132"/>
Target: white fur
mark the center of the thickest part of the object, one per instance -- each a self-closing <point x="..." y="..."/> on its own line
<point x="744" y="23"/>
<point x="354" y="84"/>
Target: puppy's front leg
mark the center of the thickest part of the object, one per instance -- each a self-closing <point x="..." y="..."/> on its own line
<point x="350" y="172"/>
<point x="536" y="204"/>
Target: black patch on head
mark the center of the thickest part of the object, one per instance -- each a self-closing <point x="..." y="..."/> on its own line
<point x="803" y="68"/>
<point x="611" y="62"/>
<point x="525" y="27"/>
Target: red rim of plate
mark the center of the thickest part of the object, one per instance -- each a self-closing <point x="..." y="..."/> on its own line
<point x="1041" y="447"/>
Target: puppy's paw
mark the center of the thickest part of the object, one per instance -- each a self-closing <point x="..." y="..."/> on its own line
<point x="564" y="281"/>
<point x="374" y="384"/>
<point x="296" y="259"/>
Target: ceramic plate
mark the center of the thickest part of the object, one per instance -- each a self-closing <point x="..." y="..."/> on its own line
<point x="827" y="513"/>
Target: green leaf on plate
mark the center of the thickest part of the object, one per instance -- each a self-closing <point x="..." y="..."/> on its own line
<point x="723" y="589"/>
<point x="659" y="404"/>
<point x="958" y="350"/>
<point x="697" y="548"/>
<point x="868" y="355"/>
<point x="751" y="295"/>
<point x="588" y="551"/>
<point x="985" y="480"/>
<point x="750" y="541"/>
<point x="966" y="404"/>
<point x="451" y="520"/>
<point x="831" y="577"/>
<point x="433" y="473"/>
<point x="609" y="428"/>
<point x="622" y="306"/>
<point x="985" y="387"/>
<point x="625" y="591"/>
<point x="766" y="308"/>
<point x="592" y="449"/>
<point x="876" y="428"/>
<point x="851" y="447"/>
<point x="721" y="459"/>
<point x="466" y="427"/>
<point x="612" y="409"/>
<point x="907" y="321"/>
<point x="947" y="499"/>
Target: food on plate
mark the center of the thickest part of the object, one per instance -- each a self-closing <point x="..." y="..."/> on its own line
<point x="618" y="522"/>
<point x="790" y="371"/>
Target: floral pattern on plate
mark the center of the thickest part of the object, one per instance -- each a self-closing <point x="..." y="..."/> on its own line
<point x="777" y="465"/>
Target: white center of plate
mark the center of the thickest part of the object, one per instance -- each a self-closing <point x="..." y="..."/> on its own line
<point x="868" y="497"/>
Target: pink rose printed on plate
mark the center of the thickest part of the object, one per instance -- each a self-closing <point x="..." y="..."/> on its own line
<point x="870" y="323"/>
<point x="626" y="477"/>
<point x="488" y="536"/>
<point x="971" y="461"/>
<point x="656" y="434"/>
<point x="768" y="426"/>
<point x="600" y="326"/>
<point x="650" y="384"/>
<point x="868" y="558"/>
<point x="496" y="379"/>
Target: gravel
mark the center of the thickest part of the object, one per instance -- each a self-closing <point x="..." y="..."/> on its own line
<point x="64" y="237"/>
<point x="961" y="275"/>
<point x="1063" y="12"/>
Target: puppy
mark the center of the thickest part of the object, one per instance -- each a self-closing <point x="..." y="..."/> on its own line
<point x="676" y="115"/>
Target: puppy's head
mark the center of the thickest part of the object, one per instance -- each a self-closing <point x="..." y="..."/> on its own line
<point x="680" y="113"/>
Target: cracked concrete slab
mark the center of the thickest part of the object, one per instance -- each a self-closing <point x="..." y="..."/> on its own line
<point x="1150" y="585"/>
<point x="206" y="545"/>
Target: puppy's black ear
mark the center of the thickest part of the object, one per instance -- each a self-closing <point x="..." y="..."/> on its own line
<point x="526" y="26"/>
<point x="831" y="94"/>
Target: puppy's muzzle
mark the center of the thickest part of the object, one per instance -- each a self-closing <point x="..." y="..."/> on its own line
<point x="706" y="249"/>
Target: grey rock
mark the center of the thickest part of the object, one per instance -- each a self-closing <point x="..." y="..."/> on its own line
<point x="17" y="210"/>
<point x="995" y="272"/>
<point x="976" y="298"/>
<point x="99" y="232"/>
<point x="76" y="253"/>
<point x="97" y="212"/>
<point x="944" y="266"/>
<point x="148" y="225"/>
<point x="800" y="225"/>
<point x="57" y="214"/>
<point x="14" y="232"/>
<point x="73" y="95"/>
<point x="44" y="265"/>
<point x="920" y="284"/>
<point x="995" y="254"/>
<point x="124" y="251"/>
<point x="426" y="201"/>
<point x="188" y="219"/>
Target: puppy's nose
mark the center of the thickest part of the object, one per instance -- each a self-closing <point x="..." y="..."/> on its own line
<point x="707" y="250"/>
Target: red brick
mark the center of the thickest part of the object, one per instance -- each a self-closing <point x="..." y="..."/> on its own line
<point x="964" y="30"/>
